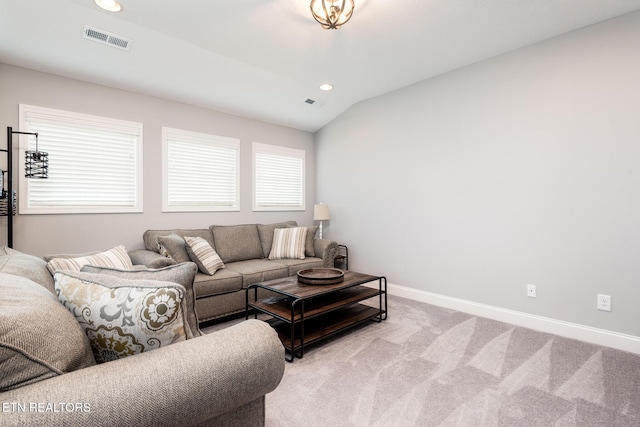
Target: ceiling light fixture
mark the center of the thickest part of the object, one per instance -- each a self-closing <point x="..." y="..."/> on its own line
<point x="326" y="86"/>
<point x="109" y="5"/>
<point x="331" y="14"/>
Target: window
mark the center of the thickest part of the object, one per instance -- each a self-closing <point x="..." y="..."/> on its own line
<point x="278" y="175"/>
<point x="95" y="163"/>
<point x="201" y="172"/>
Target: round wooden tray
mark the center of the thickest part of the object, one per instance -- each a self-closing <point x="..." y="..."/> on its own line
<point x="320" y="276"/>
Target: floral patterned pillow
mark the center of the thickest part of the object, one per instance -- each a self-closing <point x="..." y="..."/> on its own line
<point x="123" y="317"/>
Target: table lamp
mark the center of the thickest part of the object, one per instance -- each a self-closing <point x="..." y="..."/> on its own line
<point x="320" y="213"/>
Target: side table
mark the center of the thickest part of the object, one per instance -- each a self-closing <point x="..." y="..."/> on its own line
<point x="342" y="259"/>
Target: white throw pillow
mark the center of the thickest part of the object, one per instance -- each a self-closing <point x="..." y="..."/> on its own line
<point x="288" y="243"/>
<point x="201" y="252"/>
<point x="116" y="258"/>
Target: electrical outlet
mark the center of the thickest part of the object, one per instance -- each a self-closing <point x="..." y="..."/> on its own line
<point x="604" y="302"/>
<point x="531" y="291"/>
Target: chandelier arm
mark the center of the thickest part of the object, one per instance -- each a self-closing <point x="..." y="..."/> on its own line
<point x="353" y="6"/>
<point x="341" y="11"/>
<point x="313" y="13"/>
<point x="326" y="12"/>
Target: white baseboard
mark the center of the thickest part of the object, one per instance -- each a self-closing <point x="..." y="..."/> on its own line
<point x="589" y="334"/>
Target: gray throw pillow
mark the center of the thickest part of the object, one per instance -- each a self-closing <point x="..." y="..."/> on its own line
<point x="182" y="274"/>
<point x="39" y="337"/>
<point x="28" y="266"/>
<point x="161" y="262"/>
<point x="150" y="237"/>
<point x="174" y="247"/>
<point x="311" y="234"/>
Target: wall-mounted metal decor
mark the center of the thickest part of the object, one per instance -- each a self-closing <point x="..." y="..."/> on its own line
<point x="36" y="166"/>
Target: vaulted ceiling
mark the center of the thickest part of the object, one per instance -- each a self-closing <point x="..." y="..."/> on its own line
<point x="263" y="58"/>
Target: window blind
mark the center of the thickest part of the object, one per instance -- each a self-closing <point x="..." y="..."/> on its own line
<point x="202" y="172"/>
<point x="94" y="163"/>
<point x="278" y="178"/>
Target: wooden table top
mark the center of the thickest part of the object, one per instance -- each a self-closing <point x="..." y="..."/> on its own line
<point x="291" y="287"/>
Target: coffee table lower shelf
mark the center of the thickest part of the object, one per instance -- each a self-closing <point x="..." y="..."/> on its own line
<point x="318" y="328"/>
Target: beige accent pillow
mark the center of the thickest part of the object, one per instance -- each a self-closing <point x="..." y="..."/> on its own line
<point x="39" y="338"/>
<point x="116" y="257"/>
<point x="123" y="317"/>
<point x="288" y="243"/>
<point x="201" y="252"/>
<point x="265" y="232"/>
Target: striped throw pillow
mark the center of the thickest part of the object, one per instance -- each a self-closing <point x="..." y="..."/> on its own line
<point x="201" y="252"/>
<point x="116" y="258"/>
<point x="288" y="243"/>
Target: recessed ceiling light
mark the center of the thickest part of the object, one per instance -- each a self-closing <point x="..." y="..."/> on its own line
<point x="326" y="86"/>
<point x="109" y="5"/>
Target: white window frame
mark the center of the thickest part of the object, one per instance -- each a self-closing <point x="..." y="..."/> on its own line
<point x="205" y="140"/>
<point x="285" y="152"/>
<point x="35" y="113"/>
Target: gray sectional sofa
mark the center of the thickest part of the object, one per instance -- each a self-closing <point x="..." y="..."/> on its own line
<point x="244" y="249"/>
<point x="48" y="375"/>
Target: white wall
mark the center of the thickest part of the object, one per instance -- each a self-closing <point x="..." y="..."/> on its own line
<point x="521" y="169"/>
<point x="45" y="234"/>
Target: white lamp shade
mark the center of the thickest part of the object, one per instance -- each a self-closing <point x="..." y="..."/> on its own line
<point x="321" y="212"/>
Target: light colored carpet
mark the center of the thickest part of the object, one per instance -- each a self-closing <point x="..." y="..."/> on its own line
<point x="431" y="366"/>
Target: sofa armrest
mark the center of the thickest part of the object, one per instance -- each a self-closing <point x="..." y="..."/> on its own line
<point x="149" y="258"/>
<point x="327" y="250"/>
<point x="187" y="383"/>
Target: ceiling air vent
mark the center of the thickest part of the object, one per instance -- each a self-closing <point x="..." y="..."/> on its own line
<point x="107" y="38"/>
<point x="314" y="102"/>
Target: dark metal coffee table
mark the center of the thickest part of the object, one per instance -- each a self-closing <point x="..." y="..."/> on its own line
<point x="303" y="314"/>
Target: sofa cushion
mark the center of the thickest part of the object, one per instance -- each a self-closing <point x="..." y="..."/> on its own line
<point x="265" y="231"/>
<point x="123" y="317"/>
<point x="258" y="270"/>
<point x="295" y="265"/>
<point x="201" y="252"/>
<point x="25" y="265"/>
<point x="39" y="338"/>
<point x="116" y="257"/>
<point x="236" y="242"/>
<point x="183" y="274"/>
<point x="288" y="243"/>
<point x="150" y="237"/>
<point x="173" y="246"/>
<point x="222" y="282"/>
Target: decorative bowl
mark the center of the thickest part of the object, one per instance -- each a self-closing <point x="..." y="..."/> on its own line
<point x="320" y="276"/>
